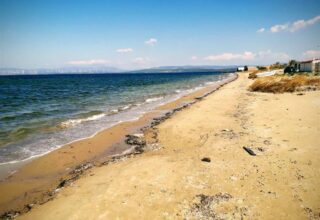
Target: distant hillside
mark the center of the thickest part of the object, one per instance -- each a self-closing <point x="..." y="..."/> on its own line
<point x="184" y="69"/>
<point x="63" y="70"/>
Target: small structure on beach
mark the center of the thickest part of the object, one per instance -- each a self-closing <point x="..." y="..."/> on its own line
<point x="312" y="66"/>
<point x="242" y="68"/>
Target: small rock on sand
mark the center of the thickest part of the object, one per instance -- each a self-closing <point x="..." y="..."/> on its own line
<point x="206" y="159"/>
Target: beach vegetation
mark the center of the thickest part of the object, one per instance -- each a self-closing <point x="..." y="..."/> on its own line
<point x="253" y="74"/>
<point x="293" y="63"/>
<point x="286" y="83"/>
<point x="262" y="68"/>
<point x="277" y="66"/>
<point x="289" y="69"/>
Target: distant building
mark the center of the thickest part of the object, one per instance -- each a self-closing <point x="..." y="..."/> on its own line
<point x="312" y="66"/>
<point x="241" y="68"/>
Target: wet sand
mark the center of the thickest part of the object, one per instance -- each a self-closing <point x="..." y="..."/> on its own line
<point x="176" y="182"/>
<point x="35" y="181"/>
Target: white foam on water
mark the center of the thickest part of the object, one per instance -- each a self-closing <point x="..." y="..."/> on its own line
<point x="125" y="107"/>
<point x="154" y="99"/>
<point x="114" y="111"/>
<point x="73" y="122"/>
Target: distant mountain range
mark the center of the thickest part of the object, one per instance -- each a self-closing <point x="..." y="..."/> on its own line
<point x="182" y="69"/>
<point x="63" y="70"/>
<point x="107" y="69"/>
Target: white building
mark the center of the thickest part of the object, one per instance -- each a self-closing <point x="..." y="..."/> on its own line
<point x="310" y="66"/>
<point x="240" y="68"/>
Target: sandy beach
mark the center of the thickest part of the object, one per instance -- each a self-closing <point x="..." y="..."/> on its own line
<point x="201" y="169"/>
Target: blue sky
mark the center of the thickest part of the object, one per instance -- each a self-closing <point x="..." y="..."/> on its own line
<point x="138" y="34"/>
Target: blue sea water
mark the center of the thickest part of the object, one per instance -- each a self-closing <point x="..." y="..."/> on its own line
<point x="39" y="113"/>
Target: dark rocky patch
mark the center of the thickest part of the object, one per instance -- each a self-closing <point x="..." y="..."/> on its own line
<point x="217" y="198"/>
<point x="135" y="139"/>
<point x="29" y="206"/>
<point x="205" y="208"/>
<point x="214" y="207"/>
<point x="10" y="215"/>
<point x="62" y="184"/>
<point x="138" y="141"/>
<point x="158" y="120"/>
<point x="81" y="168"/>
<point x="72" y="176"/>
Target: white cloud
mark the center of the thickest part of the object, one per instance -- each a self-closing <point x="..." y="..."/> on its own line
<point x="88" y="62"/>
<point x="261" y="30"/>
<point x="151" y="42"/>
<point x="231" y="56"/>
<point x="279" y="27"/>
<point x="194" y="58"/>
<point x="310" y="54"/>
<point x="302" y="23"/>
<point x="125" y="50"/>
<point x="295" y="26"/>
<point x="141" y="60"/>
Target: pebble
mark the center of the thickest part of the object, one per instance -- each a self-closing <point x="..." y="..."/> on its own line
<point x="206" y="159"/>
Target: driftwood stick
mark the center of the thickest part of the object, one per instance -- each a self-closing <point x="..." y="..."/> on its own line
<point x="249" y="151"/>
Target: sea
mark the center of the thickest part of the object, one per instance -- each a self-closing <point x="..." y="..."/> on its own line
<point x="40" y="113"/>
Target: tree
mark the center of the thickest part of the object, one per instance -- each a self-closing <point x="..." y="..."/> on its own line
<point x="245" y="68"/>
<point x="262" y="68"/>
<point x="292" y="63"/>
<point x="277" y="65"/>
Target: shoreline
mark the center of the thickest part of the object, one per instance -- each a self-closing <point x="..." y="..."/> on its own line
<point x="47" y="169"/>
<point x="6" y="168"/>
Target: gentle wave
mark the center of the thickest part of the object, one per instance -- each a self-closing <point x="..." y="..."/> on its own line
<point x="114" y="111"/>
<point x="126" y="107"/>
<point x="154" y="99"/>
<point x="73" y="122"/>
<point x="211" y="83"/>
<point x="97" y="115"/>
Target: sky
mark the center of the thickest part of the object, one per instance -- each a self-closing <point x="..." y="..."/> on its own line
<point x="147" y="33"/>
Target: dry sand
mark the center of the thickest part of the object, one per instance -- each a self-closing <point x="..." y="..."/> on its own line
<point x="281" y="182"/>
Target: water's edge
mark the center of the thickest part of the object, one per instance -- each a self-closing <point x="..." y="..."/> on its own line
<point x="8" y="168"/>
